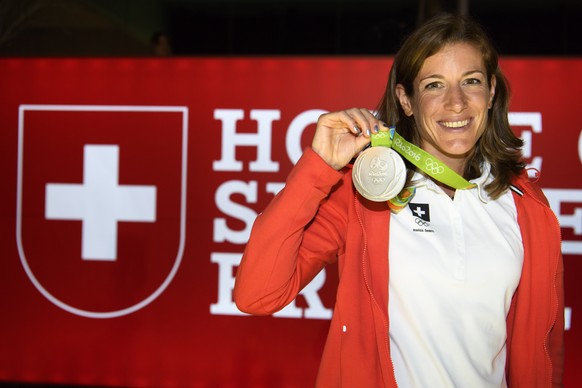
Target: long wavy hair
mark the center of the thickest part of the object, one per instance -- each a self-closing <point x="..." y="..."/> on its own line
<point x="498" y="145"/>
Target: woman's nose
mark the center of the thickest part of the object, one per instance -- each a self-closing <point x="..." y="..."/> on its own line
<point x="455" y="99"/>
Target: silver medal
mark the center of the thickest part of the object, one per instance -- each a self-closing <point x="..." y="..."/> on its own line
<point x="379" y="174"/>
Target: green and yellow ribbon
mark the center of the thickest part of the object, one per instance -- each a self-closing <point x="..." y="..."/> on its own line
<point x="424" y="161"/>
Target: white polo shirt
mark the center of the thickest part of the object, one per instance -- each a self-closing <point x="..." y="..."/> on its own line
<point x="454" y="266"/>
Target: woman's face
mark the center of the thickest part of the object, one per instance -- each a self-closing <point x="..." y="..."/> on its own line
<point x="450" y="102"/>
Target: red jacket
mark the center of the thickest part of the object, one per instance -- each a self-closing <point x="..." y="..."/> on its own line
<point x="318" y="219"/>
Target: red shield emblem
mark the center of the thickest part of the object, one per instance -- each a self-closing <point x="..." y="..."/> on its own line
<point x="101" y="203"/>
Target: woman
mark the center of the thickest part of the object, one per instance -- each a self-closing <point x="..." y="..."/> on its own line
<point x="458" y="288"/>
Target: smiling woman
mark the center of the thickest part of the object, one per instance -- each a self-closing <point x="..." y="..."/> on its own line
<point x="443" y="75"/>
<point x="450" y="102"/>
<point x="462" y="287"/>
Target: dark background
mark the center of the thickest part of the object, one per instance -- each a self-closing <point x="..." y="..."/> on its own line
<point x="273" y="27"/>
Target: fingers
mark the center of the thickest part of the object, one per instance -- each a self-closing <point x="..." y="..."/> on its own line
<point x="359" y="121"/>
<point x="341" y="135"/>
<point x="364" y="121"/>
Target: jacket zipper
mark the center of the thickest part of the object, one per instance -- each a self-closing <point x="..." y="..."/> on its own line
<point x="386" y="328"/>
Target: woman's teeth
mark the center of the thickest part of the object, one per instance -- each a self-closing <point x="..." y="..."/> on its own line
<point x="455" y="124"/>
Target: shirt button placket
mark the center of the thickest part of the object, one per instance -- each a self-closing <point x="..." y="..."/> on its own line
<point x="459" y="243"/>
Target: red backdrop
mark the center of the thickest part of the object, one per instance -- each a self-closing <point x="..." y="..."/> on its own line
<point x="129" y="187"/>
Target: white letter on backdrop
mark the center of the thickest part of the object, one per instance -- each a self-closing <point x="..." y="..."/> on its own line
<point x="231" y="139"/>
<point x="226" y="263"/>
<point x="574" y="221"/>
<point x="247" y="215"/>
<point x="533" y="120"/>
<point x="296" y="128"/>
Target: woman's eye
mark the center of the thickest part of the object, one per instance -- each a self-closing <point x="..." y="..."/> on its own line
<point x="433" y="85"/>
<point x="473" y="81"/>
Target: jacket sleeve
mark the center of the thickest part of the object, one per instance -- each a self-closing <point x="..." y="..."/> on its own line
<point x="556" y="336"/>
<point x="298" y="233"/>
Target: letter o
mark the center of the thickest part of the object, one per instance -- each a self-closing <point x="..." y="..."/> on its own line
<point x="295" y="130"/>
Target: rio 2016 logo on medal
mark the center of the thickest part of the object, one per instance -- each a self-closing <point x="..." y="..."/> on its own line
<point x="91" y="196"/>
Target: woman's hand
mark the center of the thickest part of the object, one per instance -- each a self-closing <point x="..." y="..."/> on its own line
<point x="340" y="136"/>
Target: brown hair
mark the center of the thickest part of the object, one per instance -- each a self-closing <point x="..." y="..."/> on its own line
<point x="498" y="145"/>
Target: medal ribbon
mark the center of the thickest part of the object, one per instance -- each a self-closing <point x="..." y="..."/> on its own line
<point x="427" y="163"/>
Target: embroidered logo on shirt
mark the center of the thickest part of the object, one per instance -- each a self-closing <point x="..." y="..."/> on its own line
<point x="421" y="214"/>
<point x="420" y="210"/>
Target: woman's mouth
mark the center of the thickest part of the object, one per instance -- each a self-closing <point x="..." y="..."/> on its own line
<point x="454" y="124"/>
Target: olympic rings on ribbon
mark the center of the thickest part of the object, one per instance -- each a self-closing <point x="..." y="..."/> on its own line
<point x="434" y="167"/>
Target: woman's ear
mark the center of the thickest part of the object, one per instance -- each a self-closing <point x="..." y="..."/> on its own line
<point x="404" y="100"/>
<point x="492" y="90"/>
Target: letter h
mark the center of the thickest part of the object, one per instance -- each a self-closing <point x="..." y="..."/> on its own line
<point x="261" y="139"/>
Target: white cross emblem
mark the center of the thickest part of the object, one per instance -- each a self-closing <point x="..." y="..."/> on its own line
<point x="100" y="202"/>
<point x="419" y="212"/>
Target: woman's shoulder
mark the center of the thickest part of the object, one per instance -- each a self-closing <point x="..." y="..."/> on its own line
<point x="526" y="184"/>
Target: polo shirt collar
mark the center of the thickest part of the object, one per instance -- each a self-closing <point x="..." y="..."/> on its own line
<point x="419" y="179"/>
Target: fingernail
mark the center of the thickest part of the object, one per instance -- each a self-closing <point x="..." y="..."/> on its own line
<point x="357" y="130"/>
<point x="368" y="132"/>
<point x="376" y="128"/>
